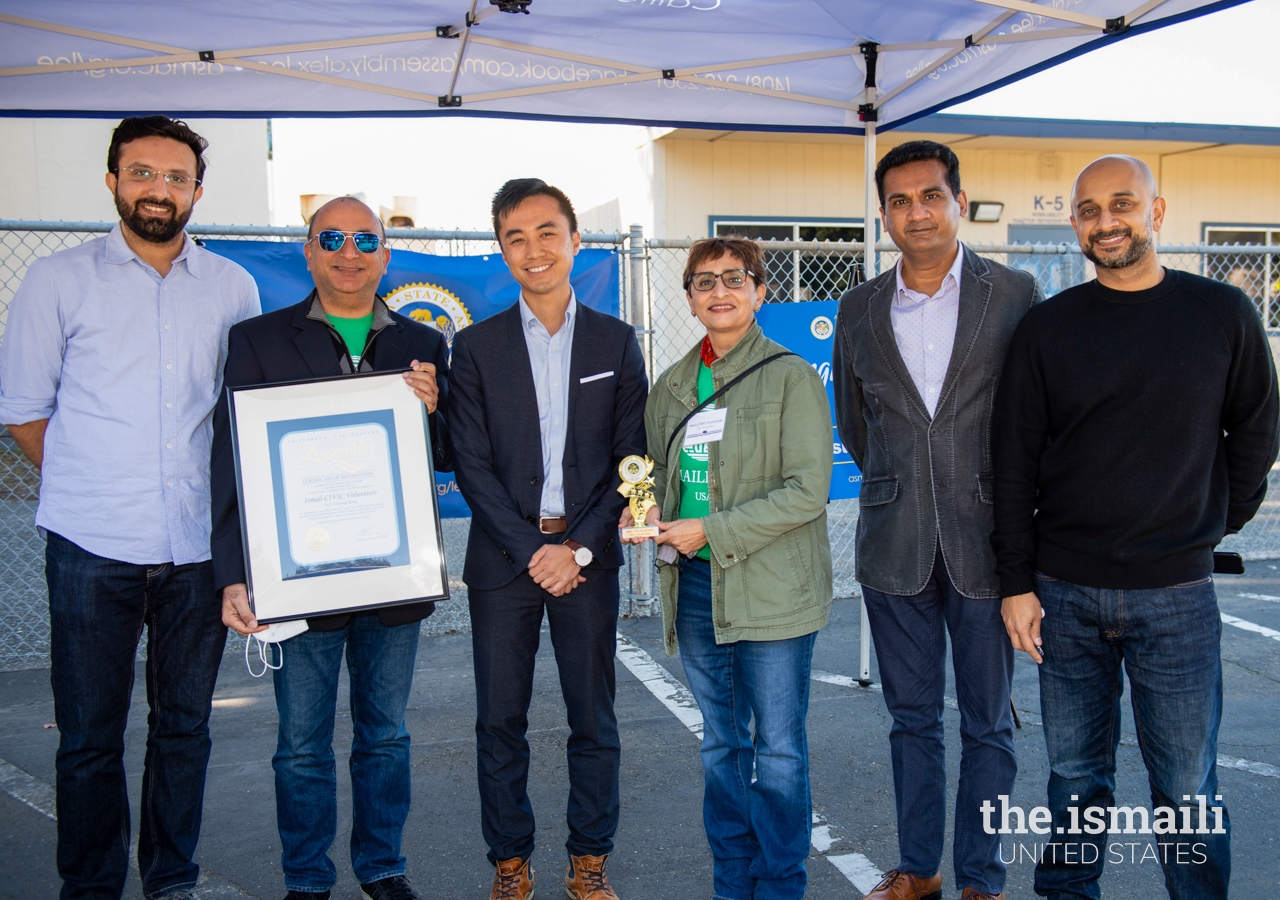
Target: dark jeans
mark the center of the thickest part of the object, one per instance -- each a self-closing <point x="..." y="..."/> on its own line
<point x="380" y="661"/>
<point x="97" y="608"/>
<point x="505" y="626"/>
<point x="1167" y="641"/>
<point x="910" y="634"/>
<point x="756" y="805"/>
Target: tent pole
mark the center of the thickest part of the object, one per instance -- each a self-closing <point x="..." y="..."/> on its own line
<point x="868" y="113"/>
<point x="871" y="201"/>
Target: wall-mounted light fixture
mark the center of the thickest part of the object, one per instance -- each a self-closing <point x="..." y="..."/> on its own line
<point x="985" y="211"/>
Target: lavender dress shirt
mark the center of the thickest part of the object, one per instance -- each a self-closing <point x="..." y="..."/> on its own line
<point x="924" y="329"/>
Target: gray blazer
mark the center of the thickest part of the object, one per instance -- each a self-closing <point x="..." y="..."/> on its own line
<point x="926" y="480"/>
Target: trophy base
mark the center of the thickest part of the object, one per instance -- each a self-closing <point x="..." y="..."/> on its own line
<point x="640" y="532"/>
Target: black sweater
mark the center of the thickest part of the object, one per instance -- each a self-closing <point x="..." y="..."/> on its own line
<point x="1132" y="430"/>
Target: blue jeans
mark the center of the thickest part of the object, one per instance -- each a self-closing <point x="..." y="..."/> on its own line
<point x="1167" y="641"/>
<point x="910" y="634"/>
<point x="97" y="608"/>
<point x="755" y="805"/>
<point x="380" y="662"/>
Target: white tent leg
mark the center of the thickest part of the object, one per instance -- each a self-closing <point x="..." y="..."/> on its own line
<point x="872" y="202"/>
<point x="864" y="666"/>
<point x="870" y="205"/>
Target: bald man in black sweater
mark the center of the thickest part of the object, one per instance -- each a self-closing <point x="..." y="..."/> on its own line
<point x="1135" y="426"/>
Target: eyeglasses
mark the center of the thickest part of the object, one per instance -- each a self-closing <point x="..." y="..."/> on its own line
<point x="731" y="278"/>
<point x="173" y="179"/>
<point x="332" y="241"/>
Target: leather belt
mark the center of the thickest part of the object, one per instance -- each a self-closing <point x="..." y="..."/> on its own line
<point x="553" y="524"/>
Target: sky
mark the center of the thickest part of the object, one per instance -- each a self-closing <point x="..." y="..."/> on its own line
<point x="1217" y="69"/>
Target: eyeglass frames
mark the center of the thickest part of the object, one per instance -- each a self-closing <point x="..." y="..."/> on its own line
<point x="332" y="241"/>
<point x="173" y="179"/>
<point x="730" y="278"/>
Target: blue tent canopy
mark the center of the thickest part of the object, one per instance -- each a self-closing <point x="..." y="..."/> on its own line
<point x="736" y="64"/>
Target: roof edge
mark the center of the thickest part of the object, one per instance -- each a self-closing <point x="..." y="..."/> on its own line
<point x="1010" y="126"/>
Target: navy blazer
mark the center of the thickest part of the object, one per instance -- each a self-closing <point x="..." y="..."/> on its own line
<point x="493" y="416"/>
<point x="286" y="345"/>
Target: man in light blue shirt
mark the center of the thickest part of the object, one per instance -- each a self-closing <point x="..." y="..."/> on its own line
<point x="545" y="400"/>
<point x="109" y="371"/>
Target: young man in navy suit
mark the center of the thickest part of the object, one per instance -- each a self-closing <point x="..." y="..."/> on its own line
<point x="341" y="328"/>
<point x="547" y="398"/>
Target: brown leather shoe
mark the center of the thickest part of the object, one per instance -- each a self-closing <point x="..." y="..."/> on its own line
<point x="585" y="879"/>
<point x="900" y="886"/>
<point x="975" y="894"/>
<point x="512" y="880"/>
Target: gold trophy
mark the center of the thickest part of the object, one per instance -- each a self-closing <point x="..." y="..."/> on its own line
<point x="637" y="486"/>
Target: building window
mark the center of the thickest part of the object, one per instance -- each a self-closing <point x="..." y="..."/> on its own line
<point x="1256" y="275"/>
<point x="801" y="274"/>
<point x="1055" y="272"/>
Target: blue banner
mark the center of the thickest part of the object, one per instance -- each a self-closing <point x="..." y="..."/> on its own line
<point x="808" y="328"/>
<point x="446" y="292"/>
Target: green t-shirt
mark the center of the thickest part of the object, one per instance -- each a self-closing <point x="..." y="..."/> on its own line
<point x="695" y="501"/>
<point x="354" y="334"/>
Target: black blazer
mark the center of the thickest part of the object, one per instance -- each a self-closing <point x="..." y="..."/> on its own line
<point x="285" y="345"/>
<point x="493" y="415"/>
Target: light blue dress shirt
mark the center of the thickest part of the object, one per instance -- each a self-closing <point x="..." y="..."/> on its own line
<point x="550" y="356"/>
<point x="924" y="329"/>
<point x="127" y="367"/>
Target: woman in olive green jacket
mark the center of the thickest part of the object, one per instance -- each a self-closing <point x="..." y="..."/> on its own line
<point x="746" y="566"/>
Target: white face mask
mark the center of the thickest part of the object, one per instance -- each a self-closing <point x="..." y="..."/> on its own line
<point x="275" y="635"/>
<point x="263" y="654"/>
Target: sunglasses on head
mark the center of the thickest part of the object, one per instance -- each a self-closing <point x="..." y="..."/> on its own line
<point x="331" y="241"/>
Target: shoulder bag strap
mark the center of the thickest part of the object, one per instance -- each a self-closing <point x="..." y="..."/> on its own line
<point x="712" y="399"/>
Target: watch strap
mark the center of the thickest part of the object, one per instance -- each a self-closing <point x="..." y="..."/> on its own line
<point x="575" y="547"/>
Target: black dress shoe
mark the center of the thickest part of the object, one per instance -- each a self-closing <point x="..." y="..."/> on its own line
<point x="394" y="888"/>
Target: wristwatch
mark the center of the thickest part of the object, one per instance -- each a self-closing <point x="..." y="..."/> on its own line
<point x="581" y="555"/>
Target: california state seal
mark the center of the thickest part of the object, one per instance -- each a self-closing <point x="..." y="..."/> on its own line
<point x="431" y="305"/>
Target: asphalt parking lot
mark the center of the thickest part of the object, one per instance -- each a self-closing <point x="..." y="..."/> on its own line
<point x="661" y="850"/>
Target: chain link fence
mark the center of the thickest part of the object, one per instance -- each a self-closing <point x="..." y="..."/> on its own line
<point x="652" y="298"/>
<point x="801" y="271"/>
<point x="24" y="614"/>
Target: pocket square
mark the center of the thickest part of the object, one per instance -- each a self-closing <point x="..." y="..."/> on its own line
<point x="588" y="378"/>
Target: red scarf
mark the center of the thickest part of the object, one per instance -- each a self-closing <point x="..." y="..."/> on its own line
<point x="708" y="355"/>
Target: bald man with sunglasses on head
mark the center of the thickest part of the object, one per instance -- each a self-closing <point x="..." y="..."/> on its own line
<point x="343" y="327"/>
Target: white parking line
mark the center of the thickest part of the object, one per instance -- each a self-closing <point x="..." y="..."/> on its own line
<point x="28" y="789"/>
<point x="1248" y="765"/>
<point x="861" y="872"/>
<point x="40" y="796"/>
<point x="1245" y="625"/>
<point x="662" y="684"/>
<point x="1227" y="762"/>
<point x="1259" y="597"/>
<point x="672" y="694"/>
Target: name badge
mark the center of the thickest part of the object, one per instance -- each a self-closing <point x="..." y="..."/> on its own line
<point x="706" y="427"/>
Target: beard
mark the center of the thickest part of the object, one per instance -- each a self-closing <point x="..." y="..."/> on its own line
<point x="1139" y="244"/>
<point x="152" y="229"/>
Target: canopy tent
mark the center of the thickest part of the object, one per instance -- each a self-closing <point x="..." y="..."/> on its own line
<point x="798" y="65"/>
<point x="844" y="66"/>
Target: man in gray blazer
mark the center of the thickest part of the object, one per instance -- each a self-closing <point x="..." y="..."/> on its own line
<point x="917" y="355"/>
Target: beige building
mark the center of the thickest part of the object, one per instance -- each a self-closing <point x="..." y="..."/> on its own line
<point x="1222" y="183"/>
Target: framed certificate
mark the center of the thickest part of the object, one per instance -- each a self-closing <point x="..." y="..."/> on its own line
<point x="337" y="496"/>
